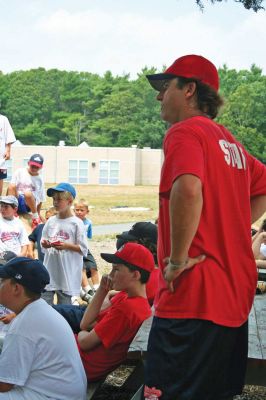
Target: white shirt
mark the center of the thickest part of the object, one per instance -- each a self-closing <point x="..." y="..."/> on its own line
<point x="24" y="181"/>
<point x="65" y="266"/>
<point x="6" y="136"/>
<point x="13" y="235"/>
<point x="40" y="355"/>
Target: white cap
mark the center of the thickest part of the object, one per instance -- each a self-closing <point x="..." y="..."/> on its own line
<point x="9" y="200"/>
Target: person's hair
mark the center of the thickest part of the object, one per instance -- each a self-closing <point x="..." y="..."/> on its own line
<point x="12" y="205"/>
<point x="150" y="246"/>
<point x="51" y="210"/>
<point x="144" y="275"/>
<point x="208" y="100"/>
<point x="263" y="225"/>
<point x="63" y="195"/>
<point x="31" y="295"/>
<point x="81" y="202"/>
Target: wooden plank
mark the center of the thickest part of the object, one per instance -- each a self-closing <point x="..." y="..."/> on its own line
<point x="254" y="345"/>
<point x="257" y="329"/>
<point x="140" y="341"/>
<point x="138" y="394"/>
<point x="260" y="311"/>
<point x="93" y="388"/>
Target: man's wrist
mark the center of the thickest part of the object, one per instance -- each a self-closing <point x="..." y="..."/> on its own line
<point x="175" y="265"/>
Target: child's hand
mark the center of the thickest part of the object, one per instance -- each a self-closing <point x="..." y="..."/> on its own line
<point x="59" y="245"/>
<point x="45" y="244"/>
<point x="106" y="283"/>
<point x="6" y="319"/>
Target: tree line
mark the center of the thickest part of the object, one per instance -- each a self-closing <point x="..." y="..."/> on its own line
<point x="46" y="106"/>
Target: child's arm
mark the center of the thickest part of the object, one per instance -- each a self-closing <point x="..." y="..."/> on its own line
<point x="31" y="247"/>
<point x="94" y="308"/>
<point x="90" y="340"/>
<point x="7" y="151"/>
<point x="7" y="318"/>
<point x="23" y="250"/>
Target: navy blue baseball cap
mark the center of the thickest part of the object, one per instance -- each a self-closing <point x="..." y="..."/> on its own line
<point x="30" y="273"/>
<point x="62" y="187"/>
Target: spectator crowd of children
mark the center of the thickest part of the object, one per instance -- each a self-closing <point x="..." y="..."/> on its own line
<point x="65" y="272"/>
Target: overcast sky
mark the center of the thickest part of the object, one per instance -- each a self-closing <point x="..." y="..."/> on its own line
<point x="123" y="36"/>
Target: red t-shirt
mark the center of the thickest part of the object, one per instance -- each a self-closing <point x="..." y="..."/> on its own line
<point x="152" y="285"/>
<point x="221" y="288"/>
<point x="116" y="327"/>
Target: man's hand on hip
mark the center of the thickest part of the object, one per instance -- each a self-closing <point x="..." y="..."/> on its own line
<point x="171" y="273"/>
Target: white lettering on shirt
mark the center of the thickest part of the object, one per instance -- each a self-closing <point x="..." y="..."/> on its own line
<point x="233" y="154"/>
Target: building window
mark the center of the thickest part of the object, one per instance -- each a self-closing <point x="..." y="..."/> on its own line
<point x="109" y="173"/>
<point x="78" y="171"/>
<point x="9" y="170"/>
<point x="25" y="161"/>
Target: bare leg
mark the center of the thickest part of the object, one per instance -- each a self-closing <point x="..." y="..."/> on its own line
<point x="95" y="277"/>
<point x="30" y="201"/>
<point x="12" y="190"/>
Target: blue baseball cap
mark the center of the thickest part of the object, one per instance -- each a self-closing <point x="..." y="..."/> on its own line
<point x="62" y="187"/>
<point x="28" y="272"/>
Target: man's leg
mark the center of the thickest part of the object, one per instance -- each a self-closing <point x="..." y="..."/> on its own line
<point x="48" y="296"/>
<point x="194" y="360"/>
<point x="1" y="186"/>
<point x="63" y="298"/>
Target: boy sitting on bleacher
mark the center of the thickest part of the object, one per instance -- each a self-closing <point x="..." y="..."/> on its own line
<point x="107" y="332"/>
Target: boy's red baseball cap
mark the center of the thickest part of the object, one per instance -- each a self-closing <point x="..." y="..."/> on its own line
<point x="131" y="253"/>
<point x="190" y="66"/>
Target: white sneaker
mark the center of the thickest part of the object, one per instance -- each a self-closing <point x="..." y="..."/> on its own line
<point x="74" y="301"/>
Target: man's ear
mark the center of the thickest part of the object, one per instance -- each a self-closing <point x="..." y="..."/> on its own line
<point x="190" y="89"/>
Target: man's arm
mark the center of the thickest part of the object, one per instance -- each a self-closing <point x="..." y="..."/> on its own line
<point x="5" y="387"/>
<point x="258" y="207"/>
<point x="185" y="208"/>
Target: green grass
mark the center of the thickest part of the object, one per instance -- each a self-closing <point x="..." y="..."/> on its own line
<point x="102" y="198"/>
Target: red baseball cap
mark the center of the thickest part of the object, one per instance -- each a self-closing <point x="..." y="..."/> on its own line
<point x="190" y="66"/>
<point x="131" y="253"/>
<point x="36" y="160"/>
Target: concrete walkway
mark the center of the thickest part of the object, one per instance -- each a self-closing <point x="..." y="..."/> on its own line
<point x="111" y="229"/>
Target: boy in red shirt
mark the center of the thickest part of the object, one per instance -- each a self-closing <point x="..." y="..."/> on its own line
<point x="107" y="332"/>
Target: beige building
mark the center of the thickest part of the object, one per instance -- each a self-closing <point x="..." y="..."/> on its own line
<point x="92" y="165"/>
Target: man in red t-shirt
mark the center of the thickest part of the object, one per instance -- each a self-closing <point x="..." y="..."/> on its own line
<point x="107" y="333"/>
<point x="211" y="189"/>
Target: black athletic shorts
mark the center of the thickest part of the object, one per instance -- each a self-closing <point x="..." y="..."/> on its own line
<point x="3" y="174"/>
<point x="89" y="263"/>
<point x="190" y="359"/>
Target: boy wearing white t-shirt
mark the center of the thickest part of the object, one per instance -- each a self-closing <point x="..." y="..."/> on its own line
<point x="7" y="137"/>
<point x="28" y="186"/>
<point x="13" y="235"/>
<point x="64" y="244"/>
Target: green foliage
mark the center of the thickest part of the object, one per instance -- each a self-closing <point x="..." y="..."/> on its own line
<point x="254" y="5"/>
<point x="45" y="107"/>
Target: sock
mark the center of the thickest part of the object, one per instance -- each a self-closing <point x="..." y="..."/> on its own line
<point x="35" y="215"/>
<point x="87" y="288"/>
<point x="96" y="286"/>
